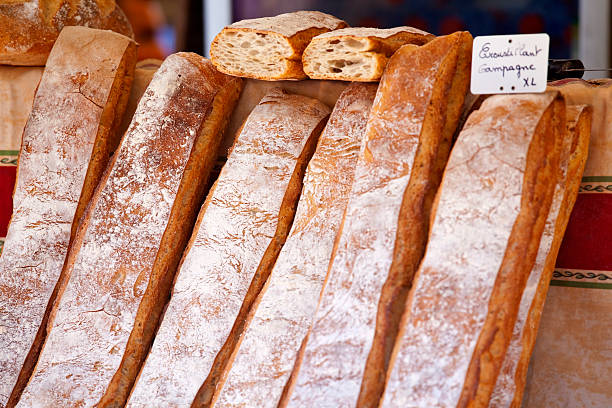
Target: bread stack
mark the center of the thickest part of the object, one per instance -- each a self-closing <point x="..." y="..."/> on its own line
<point x="343" y="256"/>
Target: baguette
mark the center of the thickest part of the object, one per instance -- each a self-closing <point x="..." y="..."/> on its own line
<point x="510" y="383"/>
<point x="287" y="304"/>
<point x="569" y="365"/>
<point x="119" y="272"/>
<point x="357" y="54"/>
<point x="28" y="29"/>
<point x="405" y="148"/>
<point x="66" y="145"/>
<point x="269" y="48"/>
<point x="488" y="219"/>
<point x="241" y="227"/>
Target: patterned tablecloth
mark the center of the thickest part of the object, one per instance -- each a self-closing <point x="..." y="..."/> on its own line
<point x="17" y="88"/>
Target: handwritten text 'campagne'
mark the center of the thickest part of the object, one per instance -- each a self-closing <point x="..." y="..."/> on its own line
<point x="508" y="52"/>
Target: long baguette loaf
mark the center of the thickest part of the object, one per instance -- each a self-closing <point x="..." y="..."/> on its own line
<point x="269" y="48"/>
<point x="66" y="145"/>
<point x="286" y="309"/>
<point x="118" y="274"/>
<point x="357" y="53"/>
<point x="406" y="144"/>
<point x="569" y="366"/>
<point x="488" y="219"/>
<point x="508" y="390"/>
<point x="240" y="229"/>
<point x="28" y="29"/>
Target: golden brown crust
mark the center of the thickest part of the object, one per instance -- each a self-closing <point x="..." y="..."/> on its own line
<point x="109" y="133"/>
<point x="293" y="30"/>
<point x="413" y="222"/>
<point x="28" y="29"/>
<point x="106" y="142"/>
<point x="538" y="188"/>
<point x="408" y="104"/>
<point x="209" y="392"/>
<point x="163" y="170"/>
<point x="178" y="231"/>
<point x="579" y="127"/>
<point x="237" y="223"/>
<point x="17" y="88"/>
<point x="282" y="321"/>
<point x="357" y="45"/>
<point x="505" y="155"/>
<point x="92" y="102"/>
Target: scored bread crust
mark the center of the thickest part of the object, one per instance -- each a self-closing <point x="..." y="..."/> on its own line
<point x="240" y="48"/>
<point x="510" y="383"/>
<point x="28" y="29"/>
<point x="357" y="53"/>
<point x="67" y="142"/>
<point x="117" y="275"/>
<point x="409" y="103"/>
<point x="234" y="244"/>
<point x="499" y="179"/>
<point x="287" y="304"/>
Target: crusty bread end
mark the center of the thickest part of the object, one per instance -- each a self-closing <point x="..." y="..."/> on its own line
<point x="269" y="48"/>
<point x="357" y="54"/>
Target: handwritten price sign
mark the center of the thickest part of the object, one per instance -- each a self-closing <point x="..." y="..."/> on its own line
<point x="509" y="63"/>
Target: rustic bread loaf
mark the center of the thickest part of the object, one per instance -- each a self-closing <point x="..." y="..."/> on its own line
<point x="119" y="271"/>
<point x="288" y="302"/>
<point x="357" y="53"/>
<point x="240" y="230"/>
<point x="66" y="145"/>
<point x="29" y="28"/>
<point x="487" y="222"/>
<point x="510" y="383"/>
<point x="568" y="367"/>
<point x="269" y="48"/>
<point x="407" y="140"/>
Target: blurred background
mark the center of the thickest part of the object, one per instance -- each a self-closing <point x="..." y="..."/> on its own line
<point x="577" y="28"/>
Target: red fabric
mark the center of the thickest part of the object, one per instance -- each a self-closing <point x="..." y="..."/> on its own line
<point x="587" y="244"/>
<point x="7" y="182"/>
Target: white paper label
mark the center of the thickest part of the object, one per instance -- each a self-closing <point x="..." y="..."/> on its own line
<point x="509" y="63"/>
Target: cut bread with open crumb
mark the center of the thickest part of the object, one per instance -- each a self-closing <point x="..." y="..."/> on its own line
<point x="357" y="54"/>
<point x="269" y="48"/>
